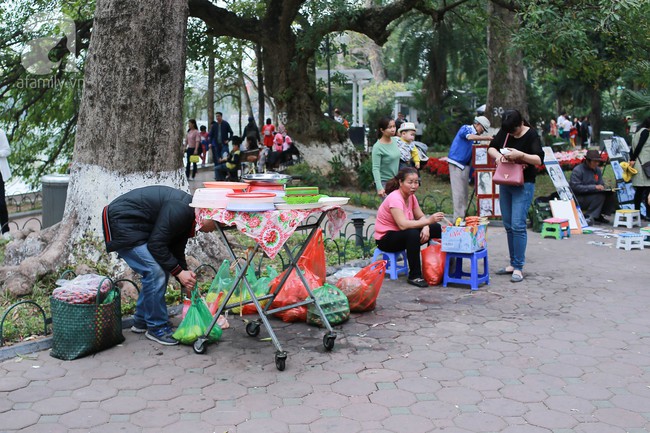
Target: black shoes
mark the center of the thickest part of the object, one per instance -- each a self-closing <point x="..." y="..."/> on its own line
<point x="601" y="219"/>
<point x="419" y="282"/>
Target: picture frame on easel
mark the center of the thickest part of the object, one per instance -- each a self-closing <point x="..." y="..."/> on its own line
<point x="480" y="158"/>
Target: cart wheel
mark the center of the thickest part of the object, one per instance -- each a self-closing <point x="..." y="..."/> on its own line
<point x="200" y="347"/>
<point x="253" y="329"/>
<point x="328" y="341"/>
<point x="280" y="360"/>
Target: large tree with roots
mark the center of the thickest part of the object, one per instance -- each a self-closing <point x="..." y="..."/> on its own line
<point x="129" y="131"/>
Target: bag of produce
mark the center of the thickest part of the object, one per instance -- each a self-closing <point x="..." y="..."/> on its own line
<point x="334" y="304"/>
<point x="196" y="322"/>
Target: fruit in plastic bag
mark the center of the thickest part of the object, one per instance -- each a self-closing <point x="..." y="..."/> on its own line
<point x="334" y="304"/>
<point x="196" y="322"/>
<point x="292" y="292"/>
<point x="363" y="289"/>
<point x="313" y="258"/>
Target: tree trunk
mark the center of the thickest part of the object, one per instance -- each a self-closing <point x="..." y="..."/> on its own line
<point x="260" y="85"/>
<point x="436" y="80"/>
<point x="506" y="79"/>
<point x="289" y="83"/>
<point x="129" y="132"/>
<point x="595" y="117"/>
<point x="375" y="57"/>
<point x="211" y="72"/>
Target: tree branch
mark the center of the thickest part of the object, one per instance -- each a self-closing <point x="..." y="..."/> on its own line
<point x="372" y="22"/>
<point x="511" y="5"/>
<point x="438" y="14"/>
<point x="225" y="23"/>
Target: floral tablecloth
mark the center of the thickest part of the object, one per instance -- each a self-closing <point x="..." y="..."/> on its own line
<point x="271" y="229"/>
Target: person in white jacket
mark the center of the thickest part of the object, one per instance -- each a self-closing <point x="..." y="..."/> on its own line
<point x="5" y="174"/>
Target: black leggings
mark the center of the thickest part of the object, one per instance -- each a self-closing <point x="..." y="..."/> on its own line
<point x="640" y="196"/>
<point x="4" y="214"/>
<point x="409" y="240"/>
<point x="189" y="152"/>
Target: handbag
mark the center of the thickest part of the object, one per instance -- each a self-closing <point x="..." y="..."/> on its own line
<point x="508" y="173"/>
<point x="646" y="169"/>
<point x="194" y="159"/>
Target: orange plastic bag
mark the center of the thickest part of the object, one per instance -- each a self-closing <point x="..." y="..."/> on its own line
<point x="433" y="264"/>
<point x="313" y="258"/>
<point x="363" y="289"/>
<point x="292" y="292"/>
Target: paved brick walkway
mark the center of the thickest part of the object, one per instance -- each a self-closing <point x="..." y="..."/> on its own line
<point x="564" y="351"/>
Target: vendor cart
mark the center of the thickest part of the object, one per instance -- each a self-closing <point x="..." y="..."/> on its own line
<point x="270" y="230"/>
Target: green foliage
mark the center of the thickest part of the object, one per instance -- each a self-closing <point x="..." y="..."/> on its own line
<point x="365" y="180"/>
<point x="39" y="109"/>
<point x="339" y="174"/>
<point x="636" y="104"/>
<point x="308" y="175"/>
<point x="591" y="41"/>
<point x="378" y="100"/>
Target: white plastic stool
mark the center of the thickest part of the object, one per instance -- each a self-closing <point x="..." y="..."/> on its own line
<point x="628" y="218"/>
<point x="630" y="240"/>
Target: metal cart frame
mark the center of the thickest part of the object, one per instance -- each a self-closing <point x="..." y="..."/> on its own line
<point x="253" y="328"/>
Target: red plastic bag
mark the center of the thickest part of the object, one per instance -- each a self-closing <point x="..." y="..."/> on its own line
<point x="313" y="258"/>
<point x="363" y="289"/>
<point x="292" y="292"/>
<point x="433" y="264"/>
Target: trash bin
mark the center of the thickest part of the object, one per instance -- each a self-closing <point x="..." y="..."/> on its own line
<point x="357" y="135"/>
<point x="54" y="188"/>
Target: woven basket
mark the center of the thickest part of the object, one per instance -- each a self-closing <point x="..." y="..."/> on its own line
<point x="83" y="329"/>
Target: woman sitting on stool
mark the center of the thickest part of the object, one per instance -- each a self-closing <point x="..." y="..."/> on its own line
<point x="401" y="224"/>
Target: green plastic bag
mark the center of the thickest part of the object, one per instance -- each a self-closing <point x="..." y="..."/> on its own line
<point x="334" y="304"/>
<point x="220" y="283"/>
<point x="223" y="281"/>
<point x="196" y="322"/>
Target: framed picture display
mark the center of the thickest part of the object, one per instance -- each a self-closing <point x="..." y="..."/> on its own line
<point x="487" y="193"/>
<point x="480" y="158"/>
<point x="484" y="182"/>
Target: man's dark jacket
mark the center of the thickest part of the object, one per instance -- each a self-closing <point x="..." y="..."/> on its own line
<point x="226" y="135"/>
<point x="159" y="216"/>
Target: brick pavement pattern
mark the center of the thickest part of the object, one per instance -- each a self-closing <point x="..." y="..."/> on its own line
<point x="564" y="351"/>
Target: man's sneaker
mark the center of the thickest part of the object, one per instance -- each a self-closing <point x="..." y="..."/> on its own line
<point x="138" y="328"/>
<point x="162" y="335"/>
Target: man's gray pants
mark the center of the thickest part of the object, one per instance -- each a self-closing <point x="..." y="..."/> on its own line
<point x="459" y="189"/>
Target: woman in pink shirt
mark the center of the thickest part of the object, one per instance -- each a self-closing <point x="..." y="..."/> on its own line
<point x="401" y="224"/>
<point x="192" y="147"/>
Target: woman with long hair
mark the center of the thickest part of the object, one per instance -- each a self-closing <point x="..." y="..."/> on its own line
<point x="401" y="224"/>
<point x="192" y="146"/>
<point x="385" y="155"/>
<point x="524" y="147"/>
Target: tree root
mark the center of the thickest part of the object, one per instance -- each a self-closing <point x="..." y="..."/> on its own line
<point x="33" y="255"/>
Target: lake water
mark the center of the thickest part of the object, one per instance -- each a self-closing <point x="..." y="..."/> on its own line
<point x="16" y="186"/>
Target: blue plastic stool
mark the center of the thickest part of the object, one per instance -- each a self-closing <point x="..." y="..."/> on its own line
<point x="393" y="269"/>
<point x="474" y="277"/>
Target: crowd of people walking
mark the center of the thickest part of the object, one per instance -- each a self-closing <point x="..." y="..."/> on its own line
<point x="265" y="149"/>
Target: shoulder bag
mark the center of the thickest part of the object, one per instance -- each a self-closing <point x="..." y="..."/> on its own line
<point x="508" y="173"/>
<point x="646" y="169"/>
